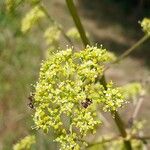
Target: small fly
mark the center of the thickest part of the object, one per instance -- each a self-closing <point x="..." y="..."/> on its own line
<point x="31" y="100"/>
<point x="86" y="103"/>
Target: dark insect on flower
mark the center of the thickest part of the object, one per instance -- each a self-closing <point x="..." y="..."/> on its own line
<point x="31" y="100"/>
<point x="86" y="103"/>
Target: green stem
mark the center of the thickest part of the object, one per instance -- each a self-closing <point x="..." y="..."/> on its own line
<point x="131" y="49"/>
<point x="122" y="130"/>
<point x="73" y="12"/>
<point x="120" y="124"/>
<point x="86" y="42"/>
<point x="128" y="51"/>
<point x="118" y="120"/>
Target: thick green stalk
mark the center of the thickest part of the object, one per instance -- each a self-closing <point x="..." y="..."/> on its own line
<point x="122" y="130"/>
<point x="75" y="16"/>
<point x="86" y="42"/>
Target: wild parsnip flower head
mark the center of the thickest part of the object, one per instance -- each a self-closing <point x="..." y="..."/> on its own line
<point x="25" y="143"/>
<point x="68" y="87"/>
<point x="145" y="24"/>
<point x="52" y="35"/>
<point x="31" y="18"/>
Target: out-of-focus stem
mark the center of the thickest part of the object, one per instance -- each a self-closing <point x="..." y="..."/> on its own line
<point x="131" y="49"/>
<point x="76" y="19"/>
<point x="122" y="130"/>
<point x="128" y="51"/>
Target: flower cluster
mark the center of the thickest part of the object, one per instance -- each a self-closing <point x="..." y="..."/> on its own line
<point x="31" y="18"/>
<point x="145" y="24"/>
<point x="69" y="89"/>
<point x="25" y="143"/>
<point x="113" y="98"/>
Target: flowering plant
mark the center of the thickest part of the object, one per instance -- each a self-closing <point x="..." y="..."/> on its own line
<point x="71" y="89"/>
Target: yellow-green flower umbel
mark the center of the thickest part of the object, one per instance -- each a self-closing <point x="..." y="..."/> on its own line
<point x="69" y="90"/>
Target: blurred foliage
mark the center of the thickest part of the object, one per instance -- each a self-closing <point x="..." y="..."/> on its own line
<point x="131" y="90"/>
<point x="25" y="143"/>
<point x="52" y="36"/>
<point x="31" y="18"/>
<point x="113" y="144"/>
<point x="20" y="57"/>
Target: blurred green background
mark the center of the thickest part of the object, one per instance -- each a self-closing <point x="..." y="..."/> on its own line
<point x="113" y="23"/>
